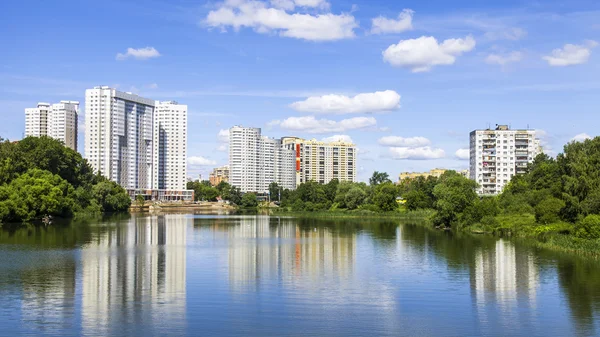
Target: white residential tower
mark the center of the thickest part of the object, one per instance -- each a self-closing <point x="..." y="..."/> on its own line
<point x="500" y="154"/>
<point x="58" y="121"/>
<point x="170" y="146"/>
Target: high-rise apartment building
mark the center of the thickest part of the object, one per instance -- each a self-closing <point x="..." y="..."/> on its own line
<point x="170" y="146"/>
<point x="119" y="136"/>
<point x="218" y="175"/>
<point x="255" y="161"/>
<point x="500" y="154"/>
<point x="58" y="121"/>
<point x="322" y="161"/>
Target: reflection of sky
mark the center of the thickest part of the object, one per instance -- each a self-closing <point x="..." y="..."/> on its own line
<point x="255" y="276"/>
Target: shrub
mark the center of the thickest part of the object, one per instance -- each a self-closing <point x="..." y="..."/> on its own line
<point x="547" y="211"/>
<point x="588" y="228"/>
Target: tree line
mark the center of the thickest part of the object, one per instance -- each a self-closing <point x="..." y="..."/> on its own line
<point x="39" y="176"/>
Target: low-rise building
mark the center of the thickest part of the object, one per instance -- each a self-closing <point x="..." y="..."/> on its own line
<point x="413" y="175"/>
<point x="218" y="175"/>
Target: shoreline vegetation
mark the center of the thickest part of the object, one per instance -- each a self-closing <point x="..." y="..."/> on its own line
<point x="41" y="179"/>
<point x="555" y="205"/>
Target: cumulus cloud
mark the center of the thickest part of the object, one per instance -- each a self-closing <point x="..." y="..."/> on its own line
<point x="581" y="137"/>
<point x="404" y="142"/>
<point x="463" y="154"/>
<point x="276" y="17"/>
<point x="310" y="124"/>
<point x="417" y="153"/>
<point x="571" y="54"/>
<point x="201" y="161"/>
<point x="338" y="138"/>
<point x="339" y="104"/>
<point x="504" y="59"/>
<point x="422" y="54"/>
<point x="223" y="136"/>
<point x="292" y="4"/>
<point x="382" y="25"/>
<point x="138" y="54"/>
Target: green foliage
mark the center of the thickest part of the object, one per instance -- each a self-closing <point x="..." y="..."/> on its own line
<point x="203" y="190"/>
<point x="111" y="197"/>
<point x="379" y="178"/>
<point x="274" y="191"/>
<point x="354" y="197"/>
<point x="454" y="194"/>
<point x="249" y="200"/>
<point x="588" y="228"/>
<point x="40" y="176"/>
<point x="547" y="211"/>
<point x="235" y="195"/>
<point x="35" y="194"/>
<point x="140" y="200"/>
<point x="418" y="192"/>
<point x="385" y="197"/>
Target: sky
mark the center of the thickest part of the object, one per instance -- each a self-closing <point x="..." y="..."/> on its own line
<point x="406" y="81"/>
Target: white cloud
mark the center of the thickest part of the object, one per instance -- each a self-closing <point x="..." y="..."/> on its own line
<point x="267" y="18"/>
<point x="152" y="86"/>
<point x="382" y="25"/>
<point x="581" y="137"/>
<point x="571" y="54"/>
<point x="223" y="148"/>
<point x="404" y="142"/>
<point x="338" y="138"/>
<point x="504" y="59"/>
<point x="339" y="104"/>
<point x="223" y="136"/>
<point x="201" y="161"/>
<point x="310" y="124"/>
<point x="139" y="54"/>
<point x="417" y="153"/>
<point x="424" y="53"/>
<point x="512" y="33"/>
<point x="463" y="154"/>
<point x="292" y="4"/>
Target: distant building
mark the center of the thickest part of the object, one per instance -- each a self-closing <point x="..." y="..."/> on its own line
<point x="500" y="154"/>
<point x="255" y="161"/>
<point x="413" y="175"/>
<point x="465" y="173"/>
<point x="58" y="121"/>
<point x="119" y="136"/>
<point x="170" y="146"/>
<point x="322" y="161"/>
<point x="218" y="175"/>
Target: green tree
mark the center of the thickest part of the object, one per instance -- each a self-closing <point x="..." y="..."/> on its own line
<point x="235" y="195"/>
<point x="354" y="197"/>
<point x="140" y="201"/>
<point x="35" y="194"/>
<point x="548" y="210"/>
<point x="385" y="197"/>
<point x="331" y="189"/>
<point x="274" y="190"/>
<point x="379" y="178"/>
<point x="454" y="194"/>
<point x="589" y="228"/>
<point x="111" y="197"/>
<point x="249" y="200"/>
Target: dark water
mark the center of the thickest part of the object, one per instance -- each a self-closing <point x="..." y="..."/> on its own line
<point x="259" y="276"/>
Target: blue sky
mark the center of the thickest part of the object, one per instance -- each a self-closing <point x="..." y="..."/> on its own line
<point x="457" y="66"/>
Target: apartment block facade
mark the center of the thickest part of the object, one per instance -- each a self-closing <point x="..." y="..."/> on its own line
<point x="119" y="136"/>
<point x="169" y="146"/>
<point x="218" y="175"/>
<point x="255" y="161"/>
<point x="322" y="161"/>
<point x="58" y="121"/>
<point x="498" y="155"/>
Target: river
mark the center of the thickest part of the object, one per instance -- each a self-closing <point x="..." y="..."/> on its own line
<point x="210" y="275"/>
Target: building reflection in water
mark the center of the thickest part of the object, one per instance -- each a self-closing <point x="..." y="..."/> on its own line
<point x="505" y="277"/>
<point x="263" y="248"/>
<point x="136" y="273"/>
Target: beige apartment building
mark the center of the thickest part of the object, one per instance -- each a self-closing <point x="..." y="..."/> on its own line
<point x="218" y="175"/>
<point x="322" y="161"/>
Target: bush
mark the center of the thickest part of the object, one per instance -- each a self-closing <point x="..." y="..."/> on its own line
<point x="588" y="228"/>
<point x="249" y="200"/>
<point x="548" y="210"/>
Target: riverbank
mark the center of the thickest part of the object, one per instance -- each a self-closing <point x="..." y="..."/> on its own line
<point x="522" y="228"/>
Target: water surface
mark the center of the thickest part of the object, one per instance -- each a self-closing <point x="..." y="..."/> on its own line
<point x="201" y="275"/>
